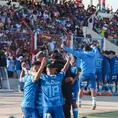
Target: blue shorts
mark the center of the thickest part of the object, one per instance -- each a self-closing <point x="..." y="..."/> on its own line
<point x="53" y="112"/>
<point x="29" y="112"/>
<point x="99" y="76"/>
<point x="114" y="78"/>
<point x="75" y="90"/>
<point x="89" y="78"/>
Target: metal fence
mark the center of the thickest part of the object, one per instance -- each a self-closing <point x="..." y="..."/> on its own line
<point x="16" y="39"/>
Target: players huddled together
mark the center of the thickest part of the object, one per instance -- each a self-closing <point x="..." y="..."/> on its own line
<point x="57" y="81"/>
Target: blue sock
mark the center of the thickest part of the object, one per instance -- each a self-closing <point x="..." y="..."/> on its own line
<point x="75" y="112"/>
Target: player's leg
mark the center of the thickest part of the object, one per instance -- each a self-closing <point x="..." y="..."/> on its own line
<point x="82" y="79"/>
<point x="92" y="85"/>
<point x="116" y="85"/>
<point x="75" y="109"/>
<point x="29" y="112"/>
<point x="108" y="85"/>
<point x="80" y="97"/>
<point x="100" y="84"/>
<point x="58" y="112"/>
<point x="67" y="108"/>
<point x="74" y="102"/>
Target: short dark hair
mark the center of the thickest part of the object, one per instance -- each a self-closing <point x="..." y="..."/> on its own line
<point x="107" y="52"/>
<point x="52" y="65"/>
<point x="36" y="63"/>
<point x="87" y="48"/>
<point x="112" y="52"/>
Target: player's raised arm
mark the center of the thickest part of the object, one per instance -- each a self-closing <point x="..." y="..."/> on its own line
<point x="66" y="66"/>
<point x="22" y="72"/>
<point x="43" y="64"/>
<point x="71" y="51"/>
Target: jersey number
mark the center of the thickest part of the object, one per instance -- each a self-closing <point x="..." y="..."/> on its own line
<point x="98" y="63"/>
<point x="53" y="91"/>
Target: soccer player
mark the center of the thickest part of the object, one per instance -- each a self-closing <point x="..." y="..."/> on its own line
<point x="106" y="74"/>
<point x="114" y="70"/>
<point x="88" y="58"/>
<point x="39" y="106"/>
<point x="67" y="84"/>
<point x="99" y="73"/>
<point x="52" y="92"/>
<point x="30" y="89"/>
<point x="75" y="88"/>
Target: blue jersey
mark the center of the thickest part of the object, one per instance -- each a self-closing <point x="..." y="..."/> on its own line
<point x="78" y="61"/>
<point x="74" y="72"/>
<point x="39" y="99"/>
<point x="87" y="59"/>
<point x="99" y="63"/>
<point x="52" y="89"/>
<point x="114" y="65"/>
<point x="30" y="91"/>
<point x="106" y="66"/>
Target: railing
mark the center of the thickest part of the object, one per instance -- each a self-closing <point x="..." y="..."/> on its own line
<point x="15" y="38"/>
<point x="78" y="41"/>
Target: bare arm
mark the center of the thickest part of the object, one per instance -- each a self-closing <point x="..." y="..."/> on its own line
<point x="66" y="66"/>
<point x="38" y="74"/>
<point x="77" y="75"/>
<point x="21" y="75"/>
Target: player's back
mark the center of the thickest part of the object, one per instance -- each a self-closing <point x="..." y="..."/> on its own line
<point x="99" y="63"/>
<point x="106" y="65"/>
<point x="114" y="65"/>
<point x="87" y="62"/>
<point x="30" y="91"/>
<point x="51" y="89"/>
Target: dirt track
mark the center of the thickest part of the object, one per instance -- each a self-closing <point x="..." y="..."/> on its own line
<point x="10" y="104"/>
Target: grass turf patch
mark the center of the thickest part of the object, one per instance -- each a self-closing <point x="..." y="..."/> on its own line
<point x="103" y="115"/>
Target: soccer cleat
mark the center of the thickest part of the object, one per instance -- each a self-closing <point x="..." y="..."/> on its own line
<point x="108" y="93"/>
<point x="93" y="107"/>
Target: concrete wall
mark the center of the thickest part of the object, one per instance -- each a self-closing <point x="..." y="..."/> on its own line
<point x="86" y="30"/>
<point x="107" y="45"/>
<point x="13" y="84"/>
<point x="110" y="46"/>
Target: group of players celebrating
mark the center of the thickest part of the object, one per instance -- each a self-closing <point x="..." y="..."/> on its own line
<point x="53" y="84"/>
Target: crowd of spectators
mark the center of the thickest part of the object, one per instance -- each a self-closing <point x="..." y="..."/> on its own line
<point x="108" y="27"/>
<point x="50" y="18"/>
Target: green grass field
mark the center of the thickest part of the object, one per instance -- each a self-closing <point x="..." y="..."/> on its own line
<point x="103" y="115"/>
